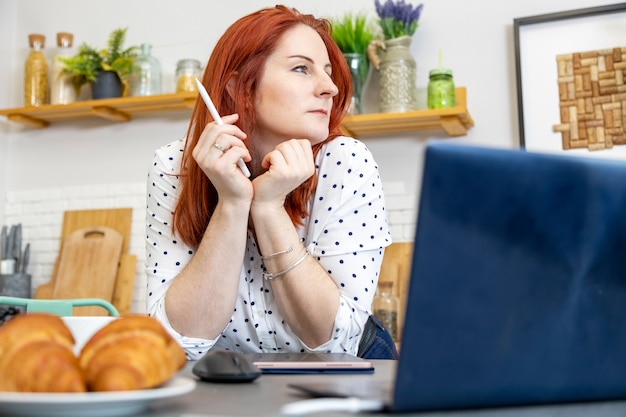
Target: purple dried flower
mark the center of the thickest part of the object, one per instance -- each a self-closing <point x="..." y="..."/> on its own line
<point x="398" y="19"/>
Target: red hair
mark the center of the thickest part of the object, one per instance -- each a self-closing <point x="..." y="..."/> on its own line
<point x="243" y="50"/>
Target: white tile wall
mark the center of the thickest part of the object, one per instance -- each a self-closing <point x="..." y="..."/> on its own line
<point x="41" y="214"/>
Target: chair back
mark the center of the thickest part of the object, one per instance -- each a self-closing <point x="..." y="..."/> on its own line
<point x="58" y="307"/>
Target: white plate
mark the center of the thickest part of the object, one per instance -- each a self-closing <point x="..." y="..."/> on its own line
<point x="83" y="327"/>
<point x="90" y="404"/>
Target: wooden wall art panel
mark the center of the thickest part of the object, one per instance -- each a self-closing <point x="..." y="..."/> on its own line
<point x="592" y="99"/>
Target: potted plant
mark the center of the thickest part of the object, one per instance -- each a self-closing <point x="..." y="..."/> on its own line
<point x="397" y="67"/>
<point x="352" y="33"/>
<point x="109" y="67"/>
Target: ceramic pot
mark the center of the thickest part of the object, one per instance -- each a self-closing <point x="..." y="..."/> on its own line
<point x="107" y="85"/>
<point x="359" y="68"/>
<point x="398" y="74"/>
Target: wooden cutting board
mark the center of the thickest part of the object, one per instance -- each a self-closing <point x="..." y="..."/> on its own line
<point x="118" y="219"/>
<point x="88" y="267"/>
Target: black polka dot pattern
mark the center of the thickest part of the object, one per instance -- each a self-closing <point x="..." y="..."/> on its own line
<point x="346" y="232"/>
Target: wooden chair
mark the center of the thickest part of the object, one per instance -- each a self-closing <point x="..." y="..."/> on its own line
<point x="396" y="268"/>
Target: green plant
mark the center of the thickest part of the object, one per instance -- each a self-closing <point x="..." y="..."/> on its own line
<point x="353" y="32"/>
<point x="88" y="62"/>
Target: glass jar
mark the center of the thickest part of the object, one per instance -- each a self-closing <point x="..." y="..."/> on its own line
<point x="186" y="72"/>
<point x="386" y="306"/>
<point x="145" y="79"/>
<point x="62" y="89"/>
<point x="36" y="73"/>
<point x="441" y="92"/>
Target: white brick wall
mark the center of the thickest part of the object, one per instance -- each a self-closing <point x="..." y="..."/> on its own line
<point x="401" y="211"/>
<point x="41" y="214"/>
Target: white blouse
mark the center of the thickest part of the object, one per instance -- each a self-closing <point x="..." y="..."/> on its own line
<point x="346" y="232"/>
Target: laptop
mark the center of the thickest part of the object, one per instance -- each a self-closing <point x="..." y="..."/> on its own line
<point x="517" y="293"/>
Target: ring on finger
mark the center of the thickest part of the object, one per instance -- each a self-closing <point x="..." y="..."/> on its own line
<point x="218" y="147"/>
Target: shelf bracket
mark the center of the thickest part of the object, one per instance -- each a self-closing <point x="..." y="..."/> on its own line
<point x="190" y="102"/>
<point x="111" y="114"/>
<point x="453" y="126"/>
<point x="28" y="120"/>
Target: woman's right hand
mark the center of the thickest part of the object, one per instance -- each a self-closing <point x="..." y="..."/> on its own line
<point x="288" y="166"/>
<point x="217" y="153"/>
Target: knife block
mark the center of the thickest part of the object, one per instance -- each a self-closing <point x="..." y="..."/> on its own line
<point x="15" y="285"/>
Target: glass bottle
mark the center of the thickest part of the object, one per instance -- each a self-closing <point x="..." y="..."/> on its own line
<point x="62" y="89"/>
<point x="386" y="306"/>
<point x="146" y="75"/>
<point x="36" y="73"/>
<point x="186" y="71"/>
<point x="441" y="92"/>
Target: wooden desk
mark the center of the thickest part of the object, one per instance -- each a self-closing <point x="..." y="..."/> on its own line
<point x="265" y="397"/>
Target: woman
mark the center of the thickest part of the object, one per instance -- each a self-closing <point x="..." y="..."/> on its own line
<point x="288" y="259"/>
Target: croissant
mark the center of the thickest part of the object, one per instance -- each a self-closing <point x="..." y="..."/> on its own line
<point x="131" y="353"/>
<point x="36" y="355"/>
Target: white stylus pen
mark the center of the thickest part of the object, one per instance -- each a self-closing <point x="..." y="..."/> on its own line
<point x="218" y="120"/>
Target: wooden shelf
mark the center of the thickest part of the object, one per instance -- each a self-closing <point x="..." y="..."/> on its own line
<point x="114" y="109"/>
<point x="454" y="121"/>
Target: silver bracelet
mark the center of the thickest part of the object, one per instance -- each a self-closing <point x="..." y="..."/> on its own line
<point x="289" y="249"/>
<point x="289" y="268"/>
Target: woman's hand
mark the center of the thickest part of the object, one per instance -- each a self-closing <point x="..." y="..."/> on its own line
<point x="217" y="152"/>
<point x="288" y="165"/>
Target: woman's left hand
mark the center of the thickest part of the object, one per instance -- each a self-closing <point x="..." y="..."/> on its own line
<point x="288" y="165"/>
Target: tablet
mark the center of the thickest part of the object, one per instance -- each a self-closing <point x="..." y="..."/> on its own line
<point x="310" y="363"/>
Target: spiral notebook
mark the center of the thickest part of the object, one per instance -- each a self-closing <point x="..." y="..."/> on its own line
<point x="518" y="284"/>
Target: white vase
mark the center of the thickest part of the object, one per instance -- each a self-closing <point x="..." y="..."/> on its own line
<point x="398" y="74"/>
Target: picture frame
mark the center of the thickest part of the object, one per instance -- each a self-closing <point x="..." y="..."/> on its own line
<point x="538" y="40"/>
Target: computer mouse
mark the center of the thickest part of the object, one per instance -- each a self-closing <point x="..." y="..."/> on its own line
<point x="225" y="366"/>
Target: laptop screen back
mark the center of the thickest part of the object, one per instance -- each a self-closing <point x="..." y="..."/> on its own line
<point x="518" y="282"/>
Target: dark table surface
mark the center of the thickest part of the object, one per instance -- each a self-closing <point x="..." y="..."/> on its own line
<point x="268" y="394"/>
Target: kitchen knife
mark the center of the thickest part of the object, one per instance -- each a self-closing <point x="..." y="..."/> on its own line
<point x="10" y="243"/>
<point x="17" y="245"/>
<point x="25" y="259"/>
<point x="4" y="241"/>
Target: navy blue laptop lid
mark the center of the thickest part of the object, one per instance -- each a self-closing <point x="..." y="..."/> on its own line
<point x="518" y="283"/>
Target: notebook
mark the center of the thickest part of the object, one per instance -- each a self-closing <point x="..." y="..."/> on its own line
<point x="309" y="363"/>
<point x="517" y="293"/>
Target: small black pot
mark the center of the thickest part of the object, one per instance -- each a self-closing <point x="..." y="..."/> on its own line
<point x="107" y="85"/>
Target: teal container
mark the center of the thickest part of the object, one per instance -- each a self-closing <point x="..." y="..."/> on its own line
<point x="441" y="93"/>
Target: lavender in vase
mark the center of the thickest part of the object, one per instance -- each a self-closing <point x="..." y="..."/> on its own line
<point x="398" y="18"/>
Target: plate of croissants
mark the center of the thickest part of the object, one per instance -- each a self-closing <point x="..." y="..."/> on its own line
<point x="125" y="364"/>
